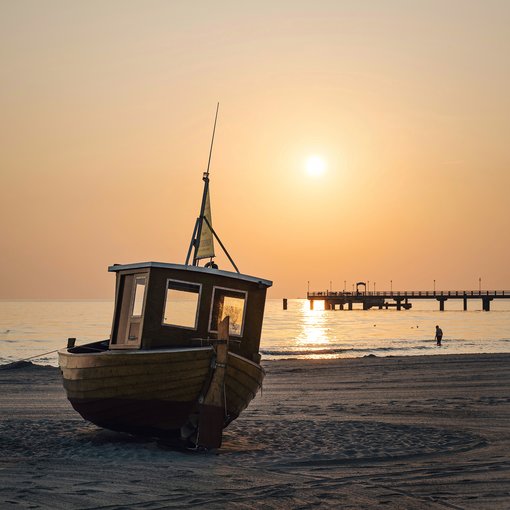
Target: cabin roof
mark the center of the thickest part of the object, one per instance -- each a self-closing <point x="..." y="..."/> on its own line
<point x="196" y="269"/>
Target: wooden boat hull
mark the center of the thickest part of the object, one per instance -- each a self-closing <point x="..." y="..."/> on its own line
<point x="153" y="393"/>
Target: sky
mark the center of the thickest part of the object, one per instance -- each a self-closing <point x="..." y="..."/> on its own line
<point x="106" y="117"/>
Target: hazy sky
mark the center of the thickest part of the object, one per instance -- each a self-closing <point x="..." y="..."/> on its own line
<point x="106" y="117"/>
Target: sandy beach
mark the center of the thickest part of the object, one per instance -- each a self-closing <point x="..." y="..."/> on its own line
<point x="402" y="432"/>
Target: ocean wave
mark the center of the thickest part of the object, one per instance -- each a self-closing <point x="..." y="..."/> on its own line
<point x="336" y="350"/>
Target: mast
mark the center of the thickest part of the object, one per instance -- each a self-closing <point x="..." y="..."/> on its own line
<point x="205" y="178"/>
<point x="205" y="211"/>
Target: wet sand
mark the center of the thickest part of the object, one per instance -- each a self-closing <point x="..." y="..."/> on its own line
<point x="404" y="432"/>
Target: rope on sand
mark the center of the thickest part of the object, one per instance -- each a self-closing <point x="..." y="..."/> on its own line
<point x="24" y="362"/>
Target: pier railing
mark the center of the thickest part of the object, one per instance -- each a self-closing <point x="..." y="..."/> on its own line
<point x="413" y="293"/>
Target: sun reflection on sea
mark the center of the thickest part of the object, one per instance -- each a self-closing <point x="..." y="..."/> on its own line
<point x="314" y="337"/>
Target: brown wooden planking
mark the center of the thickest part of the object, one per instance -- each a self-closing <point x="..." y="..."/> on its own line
<point x="237" y="400"/>
<point x="237" y="374"/>
<point x="149" y="381"/>
<point x="240" y="388"/>
<point x="154" y="377"/>
<point x="239" y="396"/>
<point x="122" y="358"/>
<point x="113" y="358"/>
<point x="241" y="392"/>
<point x="177" y="369"/>
<point x="169" y="391"/>
<point x="244" y="384"/>
<point x="252" y="380"/>
<point x="249" y="367"/>
<point x="190" y="394"/>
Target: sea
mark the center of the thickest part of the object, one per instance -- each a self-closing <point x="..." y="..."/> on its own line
<point x="35" y="330"/>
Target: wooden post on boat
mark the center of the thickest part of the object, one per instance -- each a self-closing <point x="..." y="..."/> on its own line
<point x="213" y="408"/>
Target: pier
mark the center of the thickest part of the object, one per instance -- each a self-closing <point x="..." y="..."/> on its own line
<point x="401" y="300"/>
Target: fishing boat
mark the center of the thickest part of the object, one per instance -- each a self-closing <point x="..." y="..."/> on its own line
<point x="182" y="360"/>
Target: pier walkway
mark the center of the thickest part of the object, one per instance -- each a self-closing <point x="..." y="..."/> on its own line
<point x="401" y="299"/>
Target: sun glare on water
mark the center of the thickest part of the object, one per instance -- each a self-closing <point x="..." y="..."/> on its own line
<point x="315" y="166"/>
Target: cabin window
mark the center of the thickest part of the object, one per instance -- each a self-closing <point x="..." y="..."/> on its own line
<point x="228" y="302"/>
<point x="181" y="304"/>
<point x="138" y="296"/>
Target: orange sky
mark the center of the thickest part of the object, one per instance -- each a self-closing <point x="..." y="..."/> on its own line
<point x="106" y="117"/>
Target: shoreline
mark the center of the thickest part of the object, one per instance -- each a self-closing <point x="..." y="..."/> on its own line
<point x="409" y="432"/>
<point x="28" y="361"/>
<point x="393" y="356"/>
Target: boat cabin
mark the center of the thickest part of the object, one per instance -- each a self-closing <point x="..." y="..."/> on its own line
<point x="160" y="305"/>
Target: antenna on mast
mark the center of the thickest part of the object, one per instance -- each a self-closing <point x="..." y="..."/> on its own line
<point x="212" y="140"/>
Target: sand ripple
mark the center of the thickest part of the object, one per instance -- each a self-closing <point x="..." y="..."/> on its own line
<point x="293" y="442"/>
<point x="325" y="442"/>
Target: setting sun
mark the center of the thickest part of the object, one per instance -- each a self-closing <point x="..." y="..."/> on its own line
<point x="315" y="166"/>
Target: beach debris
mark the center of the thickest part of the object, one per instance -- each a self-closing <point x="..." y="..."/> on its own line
<point x="16" y="364"/>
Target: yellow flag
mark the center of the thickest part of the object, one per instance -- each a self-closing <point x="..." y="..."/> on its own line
<point x="206" y="245"/>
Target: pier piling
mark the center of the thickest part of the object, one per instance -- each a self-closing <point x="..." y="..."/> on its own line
<point x="486" y="304"/>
